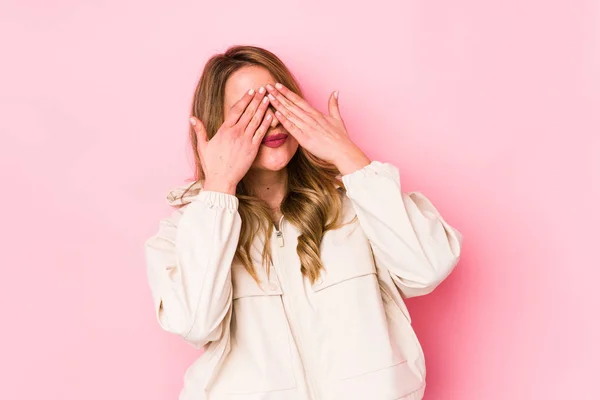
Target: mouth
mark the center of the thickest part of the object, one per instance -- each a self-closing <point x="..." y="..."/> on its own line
<point x="275" y="140"/>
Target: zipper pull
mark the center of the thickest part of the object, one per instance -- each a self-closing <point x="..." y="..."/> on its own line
<point x="280" y="238"/>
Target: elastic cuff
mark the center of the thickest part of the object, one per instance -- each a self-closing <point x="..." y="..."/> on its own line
<point x="374" y="169"/>
<point x="218" y="199"/>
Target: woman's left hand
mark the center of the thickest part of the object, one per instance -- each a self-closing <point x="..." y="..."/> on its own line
<point x="325" y="136"/>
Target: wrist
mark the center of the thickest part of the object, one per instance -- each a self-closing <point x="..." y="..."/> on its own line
<point x="352" y="161"/>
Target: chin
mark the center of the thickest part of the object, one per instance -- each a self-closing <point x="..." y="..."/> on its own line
<point x="275" y="159"/>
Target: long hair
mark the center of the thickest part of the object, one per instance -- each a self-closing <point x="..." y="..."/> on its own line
<point x="313" y="203"/>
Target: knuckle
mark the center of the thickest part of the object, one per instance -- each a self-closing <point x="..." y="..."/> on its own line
<point x="251" y="108"/>
<point x="254" y="122"/>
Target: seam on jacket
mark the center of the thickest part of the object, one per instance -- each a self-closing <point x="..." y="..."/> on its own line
<point x="375" y="370"/>
<point x="410" y="394"/>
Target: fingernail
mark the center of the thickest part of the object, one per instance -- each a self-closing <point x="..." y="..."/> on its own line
<point x="264" y="100"/>
<point x="261" y="90"/>
<point x="251" y="91"/>
<point x="193" y="121"/>
<point x="271" y="96"/>
<point x="268" y="117"/>
<point x="278" y="85"/>
<point x="336" y="94"/>
<point x="269" y="87"/>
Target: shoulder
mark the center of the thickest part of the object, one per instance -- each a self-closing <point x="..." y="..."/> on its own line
<point x="178" y="197"/>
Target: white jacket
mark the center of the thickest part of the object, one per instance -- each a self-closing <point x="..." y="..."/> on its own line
<point x="348" y="336"/>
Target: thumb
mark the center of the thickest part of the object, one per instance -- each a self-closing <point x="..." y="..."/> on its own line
<point x="201" y="136"/>
<point x="334" y="106"/>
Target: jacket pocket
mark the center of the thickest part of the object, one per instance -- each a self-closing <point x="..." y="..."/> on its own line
<point x="346" y="255"/>
<point x="352" y="313"/>
<point x="260" y="358"/>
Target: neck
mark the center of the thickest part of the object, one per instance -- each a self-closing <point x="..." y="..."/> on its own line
<point x="269" y="186"/>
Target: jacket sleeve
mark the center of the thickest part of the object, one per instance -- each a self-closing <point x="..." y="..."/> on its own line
<point x="189" y="266"/>
<point x="408" y="236"/>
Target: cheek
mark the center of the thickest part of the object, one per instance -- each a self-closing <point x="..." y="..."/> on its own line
<point x="293" y="144"/>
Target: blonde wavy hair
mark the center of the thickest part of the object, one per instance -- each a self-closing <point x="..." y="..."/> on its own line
<point x="313" y="203"/>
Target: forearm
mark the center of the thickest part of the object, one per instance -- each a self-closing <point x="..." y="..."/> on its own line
<point x="351" y="160"/>
<point x="408" y="236"/>
<point x="189" y="263"/>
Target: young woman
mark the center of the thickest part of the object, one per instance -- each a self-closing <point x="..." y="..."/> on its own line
<point x="289" y="257"/>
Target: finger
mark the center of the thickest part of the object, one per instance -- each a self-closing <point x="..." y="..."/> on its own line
<point x="262" y="129"/>
<point x="258" y="116"/>
<point x="299" y="112"/>
<point x="293" y="97"/>
<point x="334" y="106"/>
<point x="289" y="115"/>
<point x="271" y="111"/>
<point x="251" y="109"/>
<point x="238" y="108"/>
<point x="290" y="127"/>
<point x="201" y="136"/>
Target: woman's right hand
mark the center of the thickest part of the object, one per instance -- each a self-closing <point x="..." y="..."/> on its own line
<point x="228" y="155"/>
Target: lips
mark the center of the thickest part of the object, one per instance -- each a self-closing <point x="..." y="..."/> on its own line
<point x="274" y="138"/>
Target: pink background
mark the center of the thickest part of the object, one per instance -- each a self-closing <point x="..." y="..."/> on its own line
<point x="489" y="108"/>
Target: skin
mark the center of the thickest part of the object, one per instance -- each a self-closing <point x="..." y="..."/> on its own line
<point x="236" y="152"/>
<point x="325" y="136"/>
<point x="267" y="174"/>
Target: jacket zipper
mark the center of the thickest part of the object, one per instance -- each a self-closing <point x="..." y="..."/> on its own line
<point x="312" y="394"/>
<point x="280" y="238"/>
<point x="279" y="233"/>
